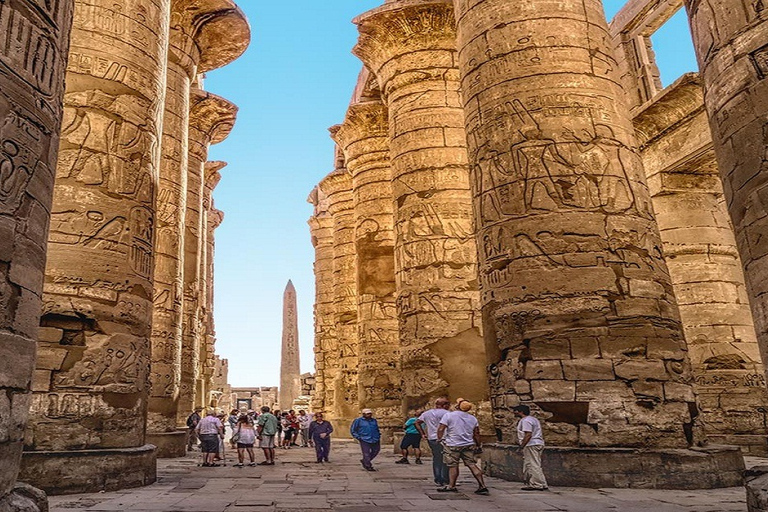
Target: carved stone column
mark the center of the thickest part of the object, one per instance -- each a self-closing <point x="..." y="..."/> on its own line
<point x="700" y="249"/>
<point x="341" y="367"/>
<point x="211" y="120"/>
<point x="731" y="41"/>
<point x="94" y="346"/>
<point x="33" y="56"/>
<point x="577" y="299"/>
<point x="321" y="230"/>
<point x="410" y="46"/>
<point x="203" y="36"/>
<point x="364" y="139"/>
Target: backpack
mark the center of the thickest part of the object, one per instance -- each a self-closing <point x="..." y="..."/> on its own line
<point x="191" y="421"/>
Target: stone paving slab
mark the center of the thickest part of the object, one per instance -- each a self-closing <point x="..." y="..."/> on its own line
<point x="297" y="484"/>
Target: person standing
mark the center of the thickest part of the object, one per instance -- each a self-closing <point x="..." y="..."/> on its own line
<point x="411" y="439"/>
<point x="285" y="423"/>
<point x="427" y="425"/>
<point x="245" y="436"/>
<point x="210" y="430"/>
<point x="304" y="421"/>
<point x="460" y="432"/>
<point x="320" y="433"/>
<point x="267" y="430"/>
<point x="365" y="430"/>
<point x="192" y="421"/>
<point x="232" y="420"/>
<point x="532" y="443"/>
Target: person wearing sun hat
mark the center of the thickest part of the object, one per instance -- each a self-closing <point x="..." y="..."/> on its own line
<point x="459" y="432"/>
<point x="365" y="430"/>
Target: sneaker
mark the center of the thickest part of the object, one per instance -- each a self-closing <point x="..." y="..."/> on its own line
<point x="448" y="489"/>
<point x="483" y="491"/>
<point x="402" y="461"/>
<point x="252" y="464"/>
<point x="418" y="461"/>
<point x="239" y="465"/>
<point x="265" y="463"/>
<point x="371" y="468"/>
<point x="529" y="488"/>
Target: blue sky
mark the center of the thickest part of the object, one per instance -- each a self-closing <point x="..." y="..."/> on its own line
<point x="293" y="83"/>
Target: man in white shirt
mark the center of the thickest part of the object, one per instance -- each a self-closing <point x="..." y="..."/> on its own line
<point x="427" y="425"/>
<point x="532" y="442"/>
<point x="210" y="430"/>
<point x="459" y="431"/>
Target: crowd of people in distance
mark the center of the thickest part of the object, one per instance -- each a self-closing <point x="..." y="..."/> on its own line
<point x="452" y="434"/>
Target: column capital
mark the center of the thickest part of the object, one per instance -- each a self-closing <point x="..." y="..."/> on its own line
<point x="402" y="27"/>
<point x="215" y="219"/>
<point x="338" y="187"/>
<point x="319" y="200"/>
<point x="364" y="120"/>
<point x="214" y="32"/>
<point x="212" y="115"/>
<point x="213" y="174"/>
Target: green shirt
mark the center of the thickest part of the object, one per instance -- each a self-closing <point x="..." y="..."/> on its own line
<point x="410" y="426"/>
<point x="268" y="424"/>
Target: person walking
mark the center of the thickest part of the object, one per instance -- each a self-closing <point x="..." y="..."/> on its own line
<point x="244" y="435"/>
<point x="532" y="443"/>
<point x="210" y="430"/>
<point x="411" y="439"/>
<point x="304" y="421"/>
<point x="460" y="432"/>
<point x="267" y="430"/>
<point x="320" y="432"/>
<point x="192" y="421"/>
<point x="365" y="430"/>
<point x="427" y="426"/>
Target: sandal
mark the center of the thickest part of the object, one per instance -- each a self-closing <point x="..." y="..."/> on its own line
<point x="448" y="489"/>
<point x="483" y="491"/>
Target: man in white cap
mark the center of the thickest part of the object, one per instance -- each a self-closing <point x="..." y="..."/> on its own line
<point x="459" y="431"/>
<point x="366" y="430"/>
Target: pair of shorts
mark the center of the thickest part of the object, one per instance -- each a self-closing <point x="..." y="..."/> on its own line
<point x="453" y="455"/>
<point x="288" y="433"/>
<point x="244" y="445"/>
<point x="411" y="441"/>
<point x="209" y="443"/>
<point x="267" y="442"/>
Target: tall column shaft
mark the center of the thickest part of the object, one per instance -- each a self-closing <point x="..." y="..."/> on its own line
<point x="730" y="40"/>
<point x="321" y="229"/>
<point x="165" y="374"/>
<point x="411" y="49"/>
<point x="98" y="316"/>
<point x="364" y="139"/>
<point x="577" y="299"/>
<point x="341" y="392"/>
<point x="33" y="56"/>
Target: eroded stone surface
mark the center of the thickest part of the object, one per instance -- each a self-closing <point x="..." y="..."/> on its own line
<point x="290" y="370"/>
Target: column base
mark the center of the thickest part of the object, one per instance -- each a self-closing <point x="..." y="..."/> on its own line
<point x="24" y="498"/>
<point x="80" y="471"/>
<point x="170" y="445"/>
<point x="713" y="467"/>
<point x="754" y="445"/>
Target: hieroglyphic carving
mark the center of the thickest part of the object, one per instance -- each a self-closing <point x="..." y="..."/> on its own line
<point x="290" y="371"/>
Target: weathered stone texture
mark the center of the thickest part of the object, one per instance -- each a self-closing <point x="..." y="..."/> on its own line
<point x="290" y="362"/>
<point x="410" y="47"/>
<point x="341" y="363"/>
<point x="363" y="137"/>
<point x="33" y="56"/>
<point x="730" y="40"/>
<point x="571" y="269"/>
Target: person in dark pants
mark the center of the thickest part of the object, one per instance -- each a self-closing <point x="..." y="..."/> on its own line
<point x="427" y="425"/>
<point x="366" y="430"/>
<point x="320" y="434"/>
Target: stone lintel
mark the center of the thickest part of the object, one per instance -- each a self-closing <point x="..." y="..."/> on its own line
<point x="211" y="114"/>
<point x="403" y="27"/>
<point x="218" y="28"/>
<point x="713" y="467"/>
<point x="674" y="105"/>
<point x="643" y="17"/>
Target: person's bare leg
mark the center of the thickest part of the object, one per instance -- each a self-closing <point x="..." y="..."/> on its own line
<point x="240" y="455"/>
<point x="478" y="474"/>
<point x="266" y="454"/>
<point x="453" y="475"/>
<point x="251" y="455"/>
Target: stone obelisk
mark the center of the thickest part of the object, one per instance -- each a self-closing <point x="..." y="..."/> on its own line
<point x="290" y="370"/>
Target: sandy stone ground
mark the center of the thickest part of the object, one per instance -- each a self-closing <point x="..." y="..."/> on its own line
<point x="297" y="484"/>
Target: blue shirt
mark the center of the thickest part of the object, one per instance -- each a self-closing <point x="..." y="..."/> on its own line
<point x="366" y="430"/>
<point x="410" y="426"/>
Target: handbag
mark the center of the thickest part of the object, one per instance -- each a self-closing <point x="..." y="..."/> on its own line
<point x="236" y="435"/>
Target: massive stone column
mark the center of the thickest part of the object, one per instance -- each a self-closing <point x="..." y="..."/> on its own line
<point x="364" y="138"/>
<point x="731" y="41"/>
<point x="321" y="232"/>
<point x="211" y="120"/>
<point x="33" y="52"/>
<point x="410" y="47"/>
<point x="290" y="362"/>
<point x="576" y="295"/>
<point x="203" y="36"/>
<point x="341" y="363"/>
<point x="700" y="250"/>
<point x="91" y="391"/>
